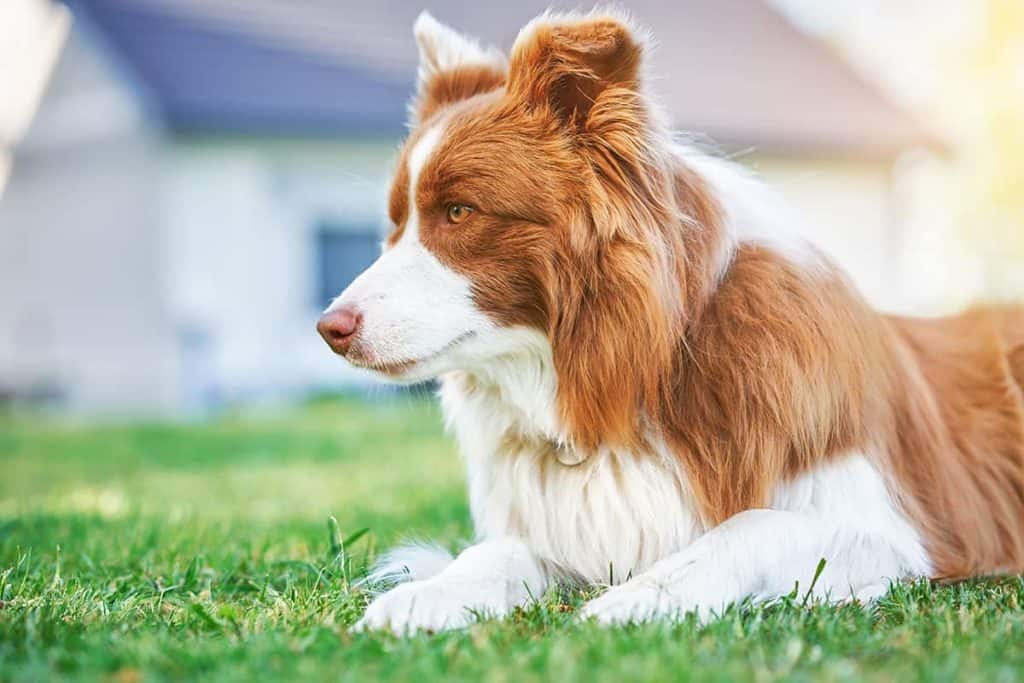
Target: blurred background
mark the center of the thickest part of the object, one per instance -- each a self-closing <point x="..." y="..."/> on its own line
<point x="184" y="184"/>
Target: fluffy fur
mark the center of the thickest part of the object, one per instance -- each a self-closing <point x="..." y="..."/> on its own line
<point x="653" y="384"/>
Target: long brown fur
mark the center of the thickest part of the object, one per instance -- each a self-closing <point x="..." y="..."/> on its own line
<point x="588" y="228"/>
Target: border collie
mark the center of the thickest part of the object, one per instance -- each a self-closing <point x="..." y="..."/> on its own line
<point x="655" y="387"/>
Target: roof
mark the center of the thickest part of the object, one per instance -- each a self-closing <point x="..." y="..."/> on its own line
<point x="735" y="70"/>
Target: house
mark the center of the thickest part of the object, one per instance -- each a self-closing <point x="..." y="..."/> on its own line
<point x="201" y="176"/>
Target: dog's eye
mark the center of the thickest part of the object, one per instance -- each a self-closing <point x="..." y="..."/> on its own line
<point x="456" y="213"/>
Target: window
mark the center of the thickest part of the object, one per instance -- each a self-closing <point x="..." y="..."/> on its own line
<point x="342" y="253"/>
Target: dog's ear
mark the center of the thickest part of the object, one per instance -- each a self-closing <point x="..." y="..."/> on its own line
<point x="572" y="64"/>
<point x="452" y="67"/>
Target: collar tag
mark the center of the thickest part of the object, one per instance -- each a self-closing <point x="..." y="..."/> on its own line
<point x="568" y="456"/>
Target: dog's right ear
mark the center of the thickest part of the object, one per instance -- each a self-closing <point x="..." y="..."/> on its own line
<point x="452" y="67"/>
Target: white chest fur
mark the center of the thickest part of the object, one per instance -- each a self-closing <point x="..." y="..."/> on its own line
<point x="608" y="517"/>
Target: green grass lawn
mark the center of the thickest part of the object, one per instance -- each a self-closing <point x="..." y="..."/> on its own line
<point x="152" y="552"/>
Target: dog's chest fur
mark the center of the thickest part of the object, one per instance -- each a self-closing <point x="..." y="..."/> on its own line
<point x="598" y="517"/>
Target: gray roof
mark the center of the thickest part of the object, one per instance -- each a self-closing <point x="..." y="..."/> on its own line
<point x="735" y="70"/>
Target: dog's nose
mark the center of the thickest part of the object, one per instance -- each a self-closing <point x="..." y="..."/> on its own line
<point x="338" y="327"/>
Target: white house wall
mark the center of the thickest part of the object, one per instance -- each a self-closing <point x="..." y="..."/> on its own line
<point x="238" y="222"/>
<point x="80" y="306"/>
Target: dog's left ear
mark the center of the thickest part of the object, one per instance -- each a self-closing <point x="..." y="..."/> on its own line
<point x="574" y="63"/>
<point x="452" y="67"/>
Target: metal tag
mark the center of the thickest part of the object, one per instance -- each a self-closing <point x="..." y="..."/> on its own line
<point x="568" y="456"/>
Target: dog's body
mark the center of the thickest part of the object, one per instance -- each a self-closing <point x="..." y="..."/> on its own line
<point x="653" y="386"/>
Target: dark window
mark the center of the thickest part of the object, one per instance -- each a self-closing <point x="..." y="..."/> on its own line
<point x="342" y="254"/>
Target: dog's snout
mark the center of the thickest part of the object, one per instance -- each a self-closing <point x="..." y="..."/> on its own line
<point x="339" y="326"/>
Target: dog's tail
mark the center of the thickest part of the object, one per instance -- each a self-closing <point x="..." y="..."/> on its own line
<point x="410" y="562"/>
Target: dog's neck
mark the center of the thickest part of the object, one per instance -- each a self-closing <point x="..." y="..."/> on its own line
<point x="517" y="392"/>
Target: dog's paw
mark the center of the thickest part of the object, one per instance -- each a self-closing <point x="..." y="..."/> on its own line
<point x="662" y="596"/>
<point x="635" y="602"/>
<point x="430" y="606"/>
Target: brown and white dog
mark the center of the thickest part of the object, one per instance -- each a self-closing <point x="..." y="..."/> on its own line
<point x="654" y="385"/>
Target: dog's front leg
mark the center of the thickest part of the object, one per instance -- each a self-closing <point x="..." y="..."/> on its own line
<point x="488" y="579"/>
<point x="758" y="554"/>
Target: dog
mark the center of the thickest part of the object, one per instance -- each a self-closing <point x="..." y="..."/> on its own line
<point x="654" y="384"/>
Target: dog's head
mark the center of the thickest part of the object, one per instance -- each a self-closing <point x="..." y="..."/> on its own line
<point x="536" y="209"/>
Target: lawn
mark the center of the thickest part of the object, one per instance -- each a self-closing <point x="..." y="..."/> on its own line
<point x="169" y="551"/>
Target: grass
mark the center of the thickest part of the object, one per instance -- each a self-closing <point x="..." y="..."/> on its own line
<point x="158" y="552"/>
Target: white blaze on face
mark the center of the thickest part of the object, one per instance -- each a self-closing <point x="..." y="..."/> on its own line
<point x="415" y="310"/>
